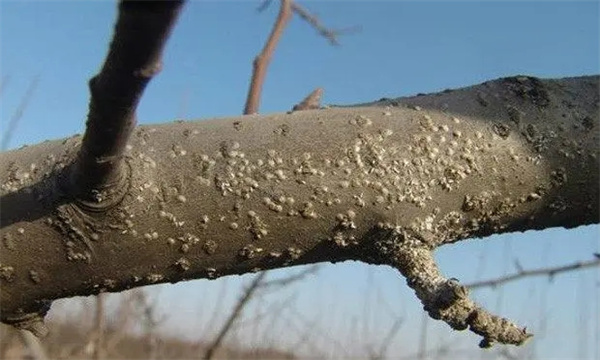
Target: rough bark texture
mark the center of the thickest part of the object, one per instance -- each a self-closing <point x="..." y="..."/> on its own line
<point x="384" y="183"/>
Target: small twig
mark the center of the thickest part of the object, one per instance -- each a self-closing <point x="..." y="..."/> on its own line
<point x="237" y="310"/>
<point x="286" y="281"/>
<point x="18" y="114"/>
<point x="551" y="271"/>
<point x="261" y="62"/>
<point x="387" y="340"/>
<point x="274" y="311"/>
<point x="258" y="283"/>
<point x="313" y="20"/>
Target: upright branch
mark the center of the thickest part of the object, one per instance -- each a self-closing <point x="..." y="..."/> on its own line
<point x="134" y="57"/>
<point x="261" y="62"/>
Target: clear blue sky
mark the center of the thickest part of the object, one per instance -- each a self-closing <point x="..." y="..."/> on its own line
<point x="403" y="48"/>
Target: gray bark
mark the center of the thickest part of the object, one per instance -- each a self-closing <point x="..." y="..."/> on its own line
<point x="384" y="183"/>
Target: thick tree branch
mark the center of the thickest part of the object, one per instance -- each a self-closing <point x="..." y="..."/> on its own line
<point x="383" y="184"/>
<point x="134" y="57"/>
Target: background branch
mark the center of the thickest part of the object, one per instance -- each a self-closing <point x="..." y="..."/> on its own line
<point x="18" y="114"/>
<point x="522" y="273"/>
<point x="261" y="62"/>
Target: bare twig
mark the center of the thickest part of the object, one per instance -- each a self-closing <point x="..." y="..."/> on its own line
<point x="286" y="281"/>
<point x="218" y="308"/>
<point x="261" y="62"/>
<point x="30" y="341"/>
<point x="237" y="310"/>
<point x="134" y="57"/>
<point x="273" y="311"/>
<point x="18" y="114"/>
<point x="550" y="272"/>
<point x="313" y="326"/>
<point x="313" y="20"/>
<point x="258" y="283"/>
<point x="387" y="340"/>
<point x="330" y="34"/>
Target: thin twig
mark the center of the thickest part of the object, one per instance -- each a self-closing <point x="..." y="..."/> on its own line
<point x="286" y="281"/>
<point x="237" y="310"/>
<point x="258" y="283"/>
<point x="313" y="20"/>
<point x="387" y="340"/>
<point x="550" y="271"/>
<point x="18" y="114"/>
<point x="261" y="62"/>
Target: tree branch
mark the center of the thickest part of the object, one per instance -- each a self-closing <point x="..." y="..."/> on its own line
<point x="235" y="314"/>
<point x="134" y="57"/>
<point x="384" y="184"/>
<point x="261" y="62"/>
<point x="18" y="114"/>
<point x="313" y="20"/>
<point x="550" y="271"/>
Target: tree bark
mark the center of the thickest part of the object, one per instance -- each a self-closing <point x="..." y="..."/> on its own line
<point x="382" y="183"/>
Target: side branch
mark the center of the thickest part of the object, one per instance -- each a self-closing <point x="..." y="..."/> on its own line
<point x="134" y="57"/>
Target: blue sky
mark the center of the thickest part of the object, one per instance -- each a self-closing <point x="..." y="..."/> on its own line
<point x="404" y="47"/>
